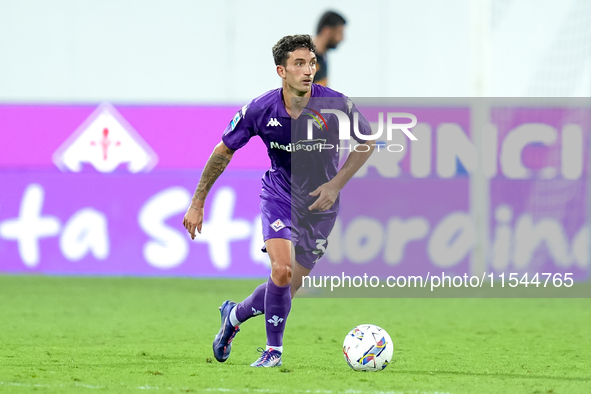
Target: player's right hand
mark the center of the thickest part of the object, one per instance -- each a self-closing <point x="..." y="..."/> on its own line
<point x="193" y="220"/>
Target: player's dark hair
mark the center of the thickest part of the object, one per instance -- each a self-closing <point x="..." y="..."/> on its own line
<point x="289" y="44"/>
<point x="330" y="19"/>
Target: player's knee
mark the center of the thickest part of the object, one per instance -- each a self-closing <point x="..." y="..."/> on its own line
<point x="281" y="273"/>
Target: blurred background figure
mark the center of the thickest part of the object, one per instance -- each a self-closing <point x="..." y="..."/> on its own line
<point x="330" y="32"/>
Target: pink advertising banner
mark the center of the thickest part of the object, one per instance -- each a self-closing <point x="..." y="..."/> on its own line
<point x="101" y="190"/>
<point x="183" y="136"/>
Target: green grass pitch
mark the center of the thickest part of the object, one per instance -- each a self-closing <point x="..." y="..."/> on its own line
<point x="69" y="334"/>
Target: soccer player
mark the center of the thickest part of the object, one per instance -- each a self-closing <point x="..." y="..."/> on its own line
<point x="297" y="215"/>
<point x="329" y="33"/>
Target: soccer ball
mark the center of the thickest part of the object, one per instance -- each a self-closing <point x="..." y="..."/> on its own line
<point x="368" y="348"/>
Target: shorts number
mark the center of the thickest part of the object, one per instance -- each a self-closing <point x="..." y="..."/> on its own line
<point x="320" y="249"/>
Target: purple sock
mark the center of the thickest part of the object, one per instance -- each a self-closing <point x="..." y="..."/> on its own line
<point x="277" y="306"/>
<point x="253" y="305"/>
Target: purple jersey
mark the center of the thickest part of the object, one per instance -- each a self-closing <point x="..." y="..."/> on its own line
<point x="298" y="166"/>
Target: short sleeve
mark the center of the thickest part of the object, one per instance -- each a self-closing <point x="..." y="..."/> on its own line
<point x="362" y="123"/>
<point x="240" y="129"/>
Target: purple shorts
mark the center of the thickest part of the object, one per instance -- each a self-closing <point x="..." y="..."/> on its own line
<point x="308" y="231"/>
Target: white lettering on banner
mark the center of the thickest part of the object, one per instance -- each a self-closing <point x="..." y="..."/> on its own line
<point x="572" y="152"/>
<point x="30" y="225"/>
<point x="517" y="240"/>
<point x="518" y="139"/>
<point x="363" y="239"/>
<point x="580" y="249"/>
<point x="220" y="230"/>
<point x="529" y="236"/>
<point x="399" y="233"/>
<point x="453" y="145"/>
<point x="503" y="233"/>
<point x="519" y="245"/>
<point x="452" y="239"/>
<point x="169" y="248"/>
<point x="420" y="152"/>
<point x="85" y="232"/>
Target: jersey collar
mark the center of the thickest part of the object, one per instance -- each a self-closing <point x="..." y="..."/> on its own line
<point x="280" y="108"/>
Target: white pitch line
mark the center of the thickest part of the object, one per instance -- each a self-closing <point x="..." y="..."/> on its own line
<point x="351" y="391"/>
<point x="51" y="385"/>
<point x="225" y="390"/>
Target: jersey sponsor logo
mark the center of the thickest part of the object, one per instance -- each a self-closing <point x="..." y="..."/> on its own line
<point x="277" y="225"/>
<point x="307" y="145"/>
<point x="273" y="122"/>
<point x="105" y="140"/>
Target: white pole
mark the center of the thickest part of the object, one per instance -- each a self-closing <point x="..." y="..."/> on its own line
<point x="480" y="42"/>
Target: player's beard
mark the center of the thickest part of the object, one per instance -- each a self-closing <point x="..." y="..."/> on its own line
<point x="299" y="88"/>
<point x="306" y="88"/>
<point x="332" y="44"/>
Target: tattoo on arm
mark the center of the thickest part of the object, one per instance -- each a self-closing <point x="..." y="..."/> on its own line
<point x="216" y="164"/>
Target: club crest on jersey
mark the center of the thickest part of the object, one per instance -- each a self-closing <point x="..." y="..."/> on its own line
<point x="277" y="225"/>
<point x="273" y="122"/>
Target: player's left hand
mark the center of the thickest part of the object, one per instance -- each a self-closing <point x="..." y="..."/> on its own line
<point x="327" y="194"/>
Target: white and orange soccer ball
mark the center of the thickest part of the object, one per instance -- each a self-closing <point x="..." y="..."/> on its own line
<point x="368" y="348"/>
